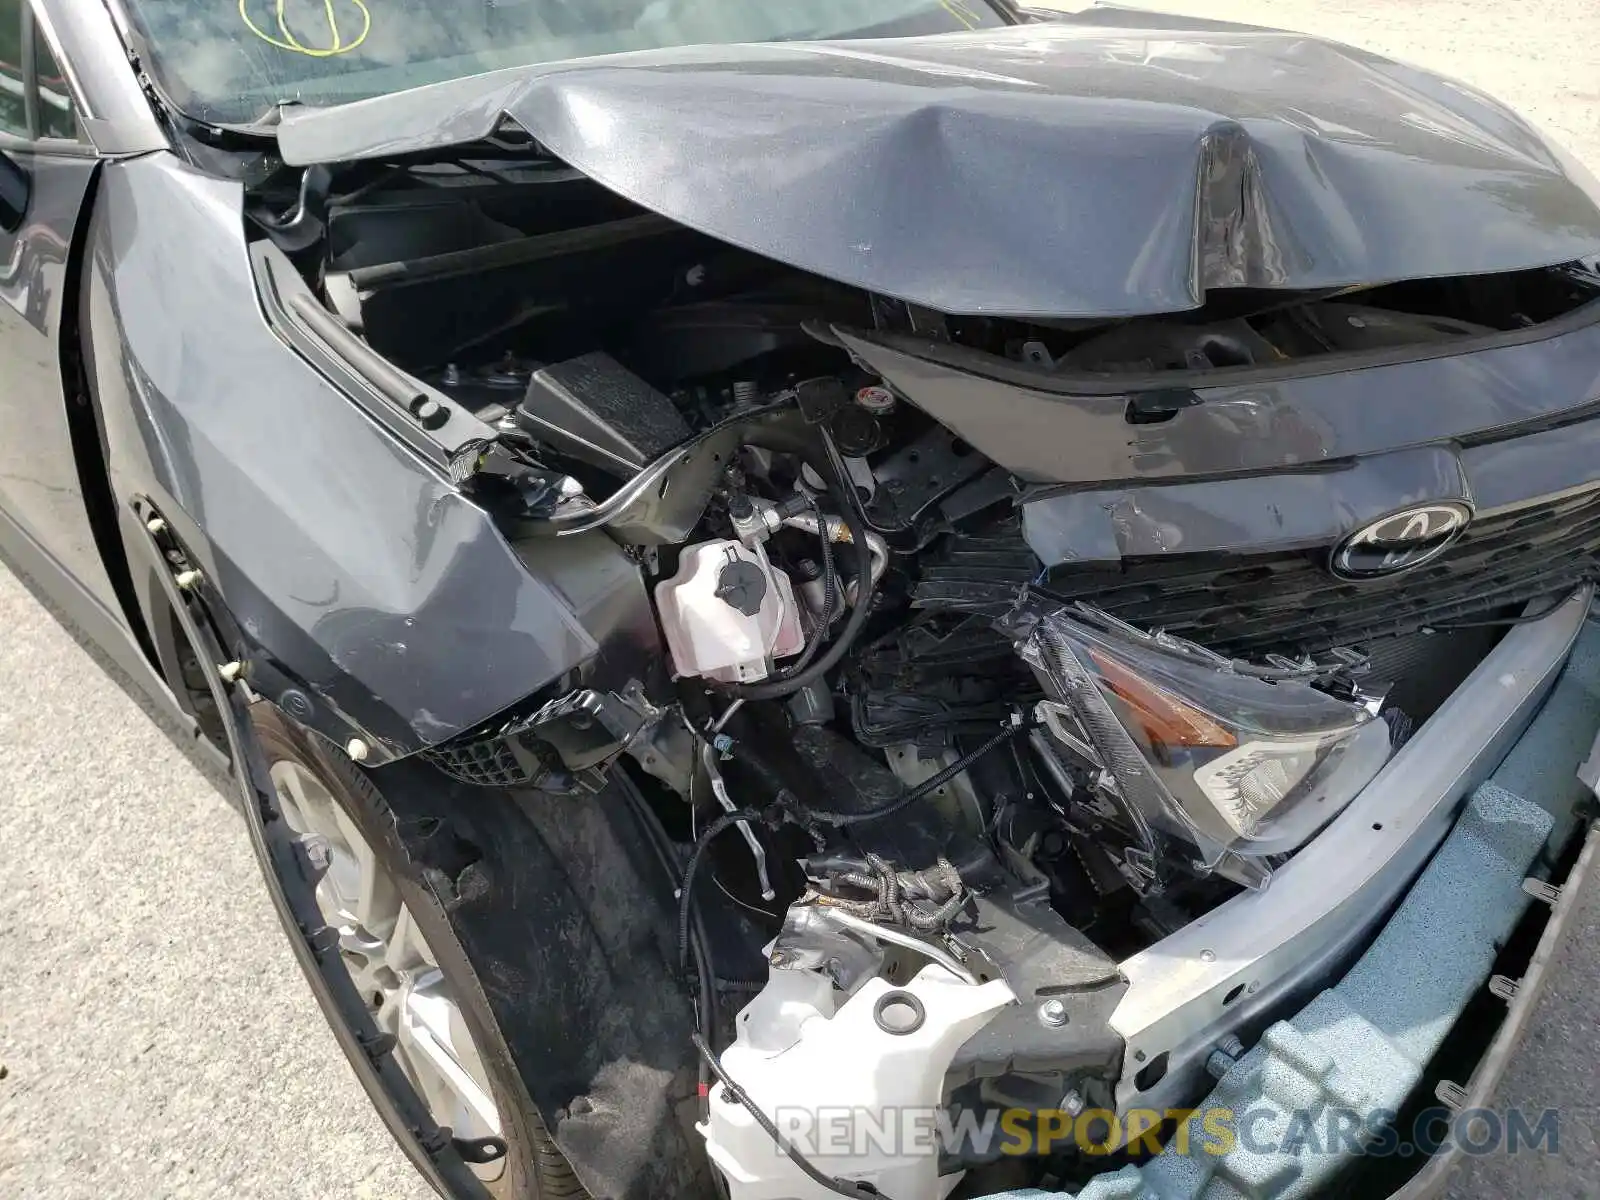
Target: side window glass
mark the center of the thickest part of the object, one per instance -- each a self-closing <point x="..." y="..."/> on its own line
<point x="56" y="116"/>
<point x="13" y="105"/>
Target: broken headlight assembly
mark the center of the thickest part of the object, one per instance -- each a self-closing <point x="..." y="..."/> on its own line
<point x="1236" y="763"/>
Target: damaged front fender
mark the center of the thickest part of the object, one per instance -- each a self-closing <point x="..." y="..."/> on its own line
<point x="372" y="598"/>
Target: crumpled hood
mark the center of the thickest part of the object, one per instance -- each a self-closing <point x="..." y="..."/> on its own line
<point x="1061" y="169"/>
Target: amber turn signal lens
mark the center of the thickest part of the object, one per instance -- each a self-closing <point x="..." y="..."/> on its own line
<point x="1165" y="719"/>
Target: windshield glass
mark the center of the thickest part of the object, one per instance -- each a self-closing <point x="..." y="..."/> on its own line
<point x="231" y="61"/>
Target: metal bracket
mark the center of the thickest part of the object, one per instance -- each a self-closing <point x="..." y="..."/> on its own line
<point x="1540" y="890"/>
<point x="480" y="1150"/>
<point x="905" y="939"/>
<point x="1503" y="987"/>
<point x="1452" y="1095"/>
<point x="708" y="756"/>
<point x="913" y="479"/>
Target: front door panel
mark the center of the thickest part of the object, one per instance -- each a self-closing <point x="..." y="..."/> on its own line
<point x="39" y="486"/>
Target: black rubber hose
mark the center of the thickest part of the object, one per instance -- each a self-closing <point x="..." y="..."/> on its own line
<point x="774" y="689"/>
<point x="686" y="888"/>
<point x="826" y="619"/>
<point x="661" y="842"/>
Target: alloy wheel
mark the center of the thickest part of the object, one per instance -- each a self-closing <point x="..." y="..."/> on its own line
<point x="391" y="964"/>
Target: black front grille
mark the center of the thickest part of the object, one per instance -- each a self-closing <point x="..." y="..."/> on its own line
<point x="1250" y="604"/>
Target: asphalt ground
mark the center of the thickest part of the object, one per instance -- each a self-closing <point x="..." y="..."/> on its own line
<point x="155" y="1036"/>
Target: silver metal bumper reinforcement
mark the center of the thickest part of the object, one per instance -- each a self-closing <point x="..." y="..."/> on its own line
<point x="1248" y="960"/>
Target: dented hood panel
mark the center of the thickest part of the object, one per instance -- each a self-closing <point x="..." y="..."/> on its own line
<point x="1054" y="169"/>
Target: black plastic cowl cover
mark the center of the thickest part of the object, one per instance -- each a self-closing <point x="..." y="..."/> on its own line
<point x="1061" y="169"/>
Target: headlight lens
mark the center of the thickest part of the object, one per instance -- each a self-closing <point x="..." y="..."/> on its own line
<point x="1233" y="758"/>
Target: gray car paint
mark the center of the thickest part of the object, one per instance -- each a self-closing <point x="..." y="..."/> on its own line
<point x="1256" y="515"/>
<point x="39" y="486"/>
<point x="1326" y="410"/>
<point x="1041" y="170"/>
<point x="1311" y="509"/>
<point x="358" y="576"/>
<point x="48" y="456"/>
<point x="407" y="633"/>
<point x="112" y="106"/>
<point x="216" y="370"/>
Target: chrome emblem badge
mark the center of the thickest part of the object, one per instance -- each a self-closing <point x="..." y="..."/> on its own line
<point x="1400" y="541"/>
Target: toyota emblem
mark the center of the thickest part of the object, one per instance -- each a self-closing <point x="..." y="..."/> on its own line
<point x="1400" y="541"/>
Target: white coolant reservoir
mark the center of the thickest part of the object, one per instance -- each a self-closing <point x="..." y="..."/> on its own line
<point x="847" y="1086"/>
<point x="728" y="613"/>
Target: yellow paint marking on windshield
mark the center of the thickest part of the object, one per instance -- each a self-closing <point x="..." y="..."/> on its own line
<point x="958" y="10"/>
<point x="291" y="42"/>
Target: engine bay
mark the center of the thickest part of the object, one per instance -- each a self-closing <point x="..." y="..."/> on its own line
<point x="896" y="748"/>
<point x="474" y="274"/>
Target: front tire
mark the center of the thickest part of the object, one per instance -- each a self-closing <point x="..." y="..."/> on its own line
<point x="425" y="1005"/>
